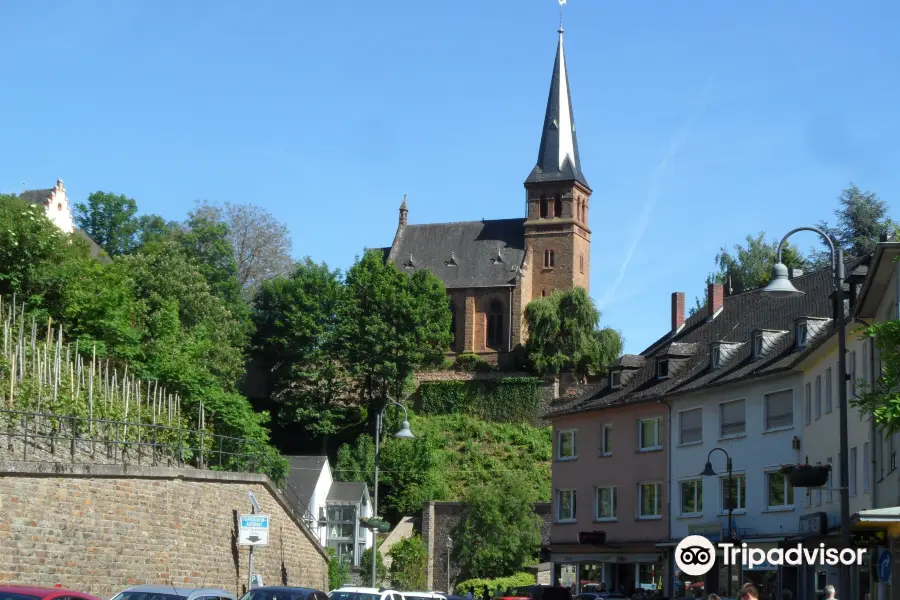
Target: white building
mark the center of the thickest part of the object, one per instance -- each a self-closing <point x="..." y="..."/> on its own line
<point x="55" y="204"/>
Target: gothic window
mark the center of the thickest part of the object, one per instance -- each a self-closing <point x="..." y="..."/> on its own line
<point x="544" y="208"/>
<point x="453" y="325"/>
<point x="581" y="262"/>
<point x="557" y="208"/>
<point x="495" y="324"/>
<point x="543" y="293"/>
<point x="549" y="259"/>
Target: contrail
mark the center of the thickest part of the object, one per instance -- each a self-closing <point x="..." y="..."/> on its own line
<point x="656" y="189"/>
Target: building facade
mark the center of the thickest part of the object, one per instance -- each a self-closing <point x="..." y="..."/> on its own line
<point x="55" y="204"/>
<point x="492" y="269"/>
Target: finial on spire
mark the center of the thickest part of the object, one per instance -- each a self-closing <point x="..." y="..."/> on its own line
<point x="561" y="4"/>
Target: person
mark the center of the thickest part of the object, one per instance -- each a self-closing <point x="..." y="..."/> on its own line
<point x="471" y="594"/>
<point x="748" y="592"/>
<point x="713" y="597"/>
<point x="485" y="595"/>
<point x="829" y="592"/>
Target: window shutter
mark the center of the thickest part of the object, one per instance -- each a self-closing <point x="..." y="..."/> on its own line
<point x="779" y="409"/>
<point x="732" y="417"/>
<point x="691" y="426"/>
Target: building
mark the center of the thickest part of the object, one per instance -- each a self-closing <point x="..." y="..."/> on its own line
<point x="55" y="202"/>
<point x="727" y="377"/>
<point x="493" y="268"/>
<point x="333" y="508"/>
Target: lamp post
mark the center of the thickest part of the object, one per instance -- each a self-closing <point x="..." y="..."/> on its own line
<point x="729" y="501"/>
<point x="404" y="434"/>
<point x="449" y="549"/>
<point x="781" y="287"/>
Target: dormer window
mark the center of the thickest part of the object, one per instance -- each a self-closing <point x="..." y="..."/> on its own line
<point x="662" y="368"/>
<point x="757" y="345"/>
<point x="802" y="333"/>
<point x="452" y="261"/>
<point x="615" y="379"/>
<point x="715" y="356"/>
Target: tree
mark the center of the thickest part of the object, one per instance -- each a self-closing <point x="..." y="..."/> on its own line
<point x="750" y="266"/>
<point x="861" y="220"/>
<point x="338" y="573"/>
<point x="297" y="343"/>
<point x="365" y="566"/>
<point x="409" y="558"/>
<point x="391" y="325"/>
<point x="563" y="334"/>
<point x="882" y="399"/>
<point x="110" y="221"/>
<point x="500" y="532"/>
<point x="260" y="243"/>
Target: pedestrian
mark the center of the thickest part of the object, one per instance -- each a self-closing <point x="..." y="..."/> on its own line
<point x="485" y="595"/>
<point x="829" y="592"/>
<point x="749" y="592"/>
<point x="471" y="594"/>
<point x="713" y="597"/>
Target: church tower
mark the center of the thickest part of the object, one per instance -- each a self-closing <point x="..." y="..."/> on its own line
<point x="558" y="198"/>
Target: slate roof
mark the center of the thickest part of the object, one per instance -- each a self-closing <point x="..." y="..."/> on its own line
<point x="742" y="314"/>
<point x="464" y="254"/>
<point x="39" y="197"/>
<point x="342" y="491"/>
<point x="304" y="474"/>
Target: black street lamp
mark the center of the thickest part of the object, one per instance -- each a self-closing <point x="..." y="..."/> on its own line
<point x="729" y="502"/>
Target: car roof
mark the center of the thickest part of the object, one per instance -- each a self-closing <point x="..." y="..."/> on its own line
<point x="185" y="592"/>
<point x="284" y="588"/>
<point x="39" y="591"/>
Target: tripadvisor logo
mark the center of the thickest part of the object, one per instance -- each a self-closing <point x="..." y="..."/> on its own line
<point x="695" y="555"/>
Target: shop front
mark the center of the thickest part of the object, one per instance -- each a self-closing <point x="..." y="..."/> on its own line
<point x="624" y="573"/>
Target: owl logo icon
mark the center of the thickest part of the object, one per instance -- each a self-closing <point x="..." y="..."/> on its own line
<point x="695" y="555"/>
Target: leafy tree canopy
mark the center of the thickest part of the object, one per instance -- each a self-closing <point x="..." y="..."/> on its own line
<point x="110" y="221"/>
<point x="882" y="399"/>
<point x="862" y="218"/>
<point x="409" y="559"/>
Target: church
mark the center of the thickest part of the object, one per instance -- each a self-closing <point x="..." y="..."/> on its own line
<point x="492" y="269"/>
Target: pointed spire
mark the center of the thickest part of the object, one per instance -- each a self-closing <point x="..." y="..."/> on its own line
<point x="403" y="212"/>
<point x="558" y="154"/>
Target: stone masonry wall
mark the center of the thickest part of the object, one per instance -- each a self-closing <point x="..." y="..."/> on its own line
<point x="102" y="528"/>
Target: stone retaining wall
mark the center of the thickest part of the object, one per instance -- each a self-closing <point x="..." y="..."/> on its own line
<point x="102" y="528"/>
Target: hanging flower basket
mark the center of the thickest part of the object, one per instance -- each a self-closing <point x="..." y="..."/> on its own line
<point x="808" y="476"/>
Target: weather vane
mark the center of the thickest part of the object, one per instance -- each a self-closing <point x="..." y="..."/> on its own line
<point x="561" y="3"/>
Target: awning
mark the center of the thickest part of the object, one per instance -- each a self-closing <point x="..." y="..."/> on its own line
<point x="877" y="516"/>
<point x="604" y="557"/>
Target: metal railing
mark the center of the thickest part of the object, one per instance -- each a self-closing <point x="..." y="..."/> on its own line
<point x="44" y="437"/>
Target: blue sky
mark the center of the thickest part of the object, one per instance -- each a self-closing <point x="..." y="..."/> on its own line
<point x="698" y="122"/>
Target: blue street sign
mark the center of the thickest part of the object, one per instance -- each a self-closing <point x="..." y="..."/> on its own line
<point x="885" y="566"/>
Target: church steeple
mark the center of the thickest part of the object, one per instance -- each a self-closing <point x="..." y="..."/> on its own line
<point x="558" y="154"/>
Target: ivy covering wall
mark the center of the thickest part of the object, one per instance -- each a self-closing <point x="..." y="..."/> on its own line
<point x="511" y="399"/>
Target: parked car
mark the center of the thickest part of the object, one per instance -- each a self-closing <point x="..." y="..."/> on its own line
<point x="20" y="592"/>
<point x="424" y="596"/>
<point x="281" y="592"/>
<point x="351" y="592"/>
<point x="543" y="592"/>
<point x="170" y="592"/>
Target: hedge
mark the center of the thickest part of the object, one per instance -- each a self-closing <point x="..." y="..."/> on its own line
<point x="511" y="399"/>
<point x="513" y="581"/>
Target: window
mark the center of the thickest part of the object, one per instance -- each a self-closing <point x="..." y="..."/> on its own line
<point x="818" y="396"/>
<point x="802" y="333"/>
<point x="543" y="293"/>
<point x="807" y="393"/>
<point x="557" y="208"/>
<point x="566" y="444"/>
<point x="690" y="426"/>
<point x="757" y="344"/>
<point x="649" y="501"/>
<point x="605" y="509"/>
<point x="852" y="361"/>
<point x="581" y="262"/>
<point x="662" y="368"/>
<point x="736" y="491"/>
<point x="606" y="440"/>
<point x="731" y="418"/>
<point x="829" y="493"/>
<point x="453" y="344"/>
<point x="865" y="361"/>
<point x="865" y="466"/>
<point x="780" y="491"/>
<point x="615" y="379"/>
<point x="341" y="522"/>
<point x="544" y="208"/>
<point x="495" y="325"/>
<point x="852" y="471"/>
<point x="715" y="357"/>
<point x="565" y="505"/>
<point x="779" y="409"/>
<point x="827" y="390"/>
<point x="59" y="206"/>
<point x="691" y="497"/>
<point x="648" y="432"/>
<point x="893" y="451"/>
<point x="549" y="259"/>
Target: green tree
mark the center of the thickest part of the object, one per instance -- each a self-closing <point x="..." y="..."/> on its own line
<point x="750" y="267"/>
<point x="153" y="228"/>
<point x="500" y="532"/>
<point x="338" y="573"/>
<point x="607" y="346"/>
<point x="392" y="325"/>
<point x="882" y="398"/>
<point x="862" y="218"/>
<point x="297" y="342"/>
<point x="365" y="567"/>
<point x="110" y="221"/>
<point x="409" y="558"/>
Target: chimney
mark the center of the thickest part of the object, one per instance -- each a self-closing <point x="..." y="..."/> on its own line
<point x="403" y="212"/>
<point x="715" y="298"/>
<point x="677" y="310"/>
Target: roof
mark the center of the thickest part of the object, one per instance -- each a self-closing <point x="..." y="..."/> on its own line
<point x="36" y="196"/>
<point x="875" y="287"/>
<point x="304" y="475"/>
<point x="741" y="316"/>
<point x="462" y="255"/>
<point x="97" y="253"/>
<point x="180" y="591"/>
<point x="558" y="153"/>
<point x="284" y="588"/>
<point x="344" y="491"/>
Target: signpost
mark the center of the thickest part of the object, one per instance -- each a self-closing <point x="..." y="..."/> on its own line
<point x="885" y="566"/>
<point x="253" y="531"/>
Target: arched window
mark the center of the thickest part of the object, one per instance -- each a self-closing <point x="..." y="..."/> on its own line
<point x="495" y="325"/>
<point x="581" y="262"/>
<point x="544" y="208"/>
<point x="549" y="259"/>
<point x="543" y="293"/>
<point x="581" y="210"/>
<point x="452" y="326"/>
<point x="557" y="208"/>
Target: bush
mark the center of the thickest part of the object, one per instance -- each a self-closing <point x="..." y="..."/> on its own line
<point x="508" y="400"/>
<point x="338" y="574"/>
<point x="409" y="559"/>
<point x="471" y="363"/>
<point x="513" y="581"/>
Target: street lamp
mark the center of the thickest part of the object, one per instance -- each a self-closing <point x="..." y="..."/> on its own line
<point x="404" y="433"/>
<point x="781" y="287"/>
<point x="729" y="501"/>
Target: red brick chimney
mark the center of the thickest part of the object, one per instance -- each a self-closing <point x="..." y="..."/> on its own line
<point x="715" y="298"/>
<point x="677" y="310"/>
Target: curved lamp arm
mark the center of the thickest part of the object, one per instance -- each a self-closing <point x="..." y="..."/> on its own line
<point x="389" y="404"/>
<point x="837" y="262"/>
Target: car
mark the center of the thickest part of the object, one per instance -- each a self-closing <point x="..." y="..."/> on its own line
<point x="543" y="592"/>
<point x="424" y="596"/>
<point x="364" y="593"/>
<point x="170" y="592"/>
<point x="283" y="592"/>
<point x="21" y="592"/>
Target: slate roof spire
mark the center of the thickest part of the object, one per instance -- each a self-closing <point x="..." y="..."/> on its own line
<point x="558" y="154"/>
